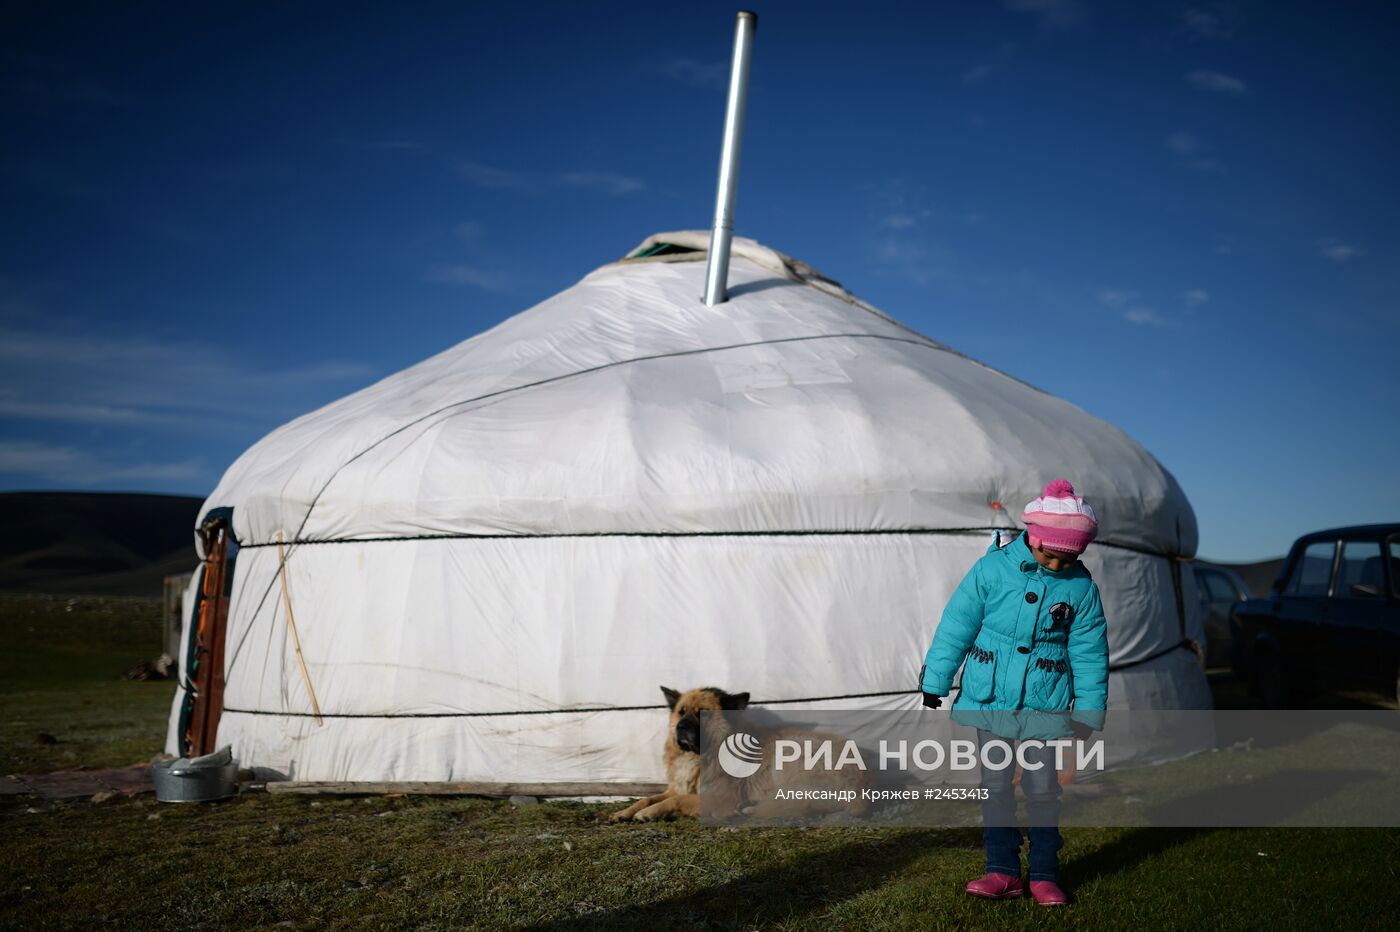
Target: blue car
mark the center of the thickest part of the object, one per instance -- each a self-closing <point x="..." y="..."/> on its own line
<point x="1331" y="623"/>
<point x="1219" y="589"/>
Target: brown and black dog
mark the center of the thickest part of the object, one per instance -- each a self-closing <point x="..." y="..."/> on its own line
<point x="687" y="770"/>
<point x="682" y="754"/>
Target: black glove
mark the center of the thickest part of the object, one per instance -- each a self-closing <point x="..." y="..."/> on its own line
<point x="1080" y="730"/>
<point x="932" y="701"/>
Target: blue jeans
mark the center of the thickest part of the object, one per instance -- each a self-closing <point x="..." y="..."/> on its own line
<point x="1000" y="832"/>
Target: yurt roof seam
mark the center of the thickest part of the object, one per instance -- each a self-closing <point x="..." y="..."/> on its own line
<point x="765" y="533"/>
<point x="847" y="532"/>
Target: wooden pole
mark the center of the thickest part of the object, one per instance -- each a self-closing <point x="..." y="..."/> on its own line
<point x="292" y="626"/>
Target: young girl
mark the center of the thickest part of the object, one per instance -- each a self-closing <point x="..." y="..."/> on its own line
<point x="1028" y="622"/>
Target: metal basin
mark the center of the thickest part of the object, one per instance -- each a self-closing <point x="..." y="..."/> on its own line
<point x="186" y="784"/>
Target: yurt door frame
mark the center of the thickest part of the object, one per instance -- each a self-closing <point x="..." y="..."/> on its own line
<point x="208" y="637"/>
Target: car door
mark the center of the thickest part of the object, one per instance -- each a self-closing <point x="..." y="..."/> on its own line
<point x="1301" y="624"/>
<point x="1218" y="596"/>
<point x="1359" y="613"/>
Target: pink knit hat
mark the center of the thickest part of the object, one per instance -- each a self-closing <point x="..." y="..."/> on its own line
<point x="1060" y="520"/>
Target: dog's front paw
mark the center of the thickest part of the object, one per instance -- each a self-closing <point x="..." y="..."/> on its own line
<point x="653" y="813"/>
<point x="625" y="815"/>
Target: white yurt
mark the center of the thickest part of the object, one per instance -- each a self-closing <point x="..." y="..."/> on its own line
<point x="483" y="567"/>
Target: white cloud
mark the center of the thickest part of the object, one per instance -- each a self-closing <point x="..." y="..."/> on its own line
<point x="1207" y="80"/>
<point x="602" y="182"/>
<point x="992" y="64"/>
<point x="898" y="236"/>
<point x="1196" y="297"/>
<point x="470" y="231"/>
<point x="147" y="472"/>
<point x="1143" y="316"/>
<point x="1207" y="24"/>
<point x="77" y="413"/>
<point x="134" y="354"/>
<point x="108" y="394"/>
<point x="1338" y="251"/>
<point x="1191" y="152"/>
<point x="1052" y="14"/>
<point x="462" y="273"/>
<point x="314" y="372"/>
<point x="896" y="203"/>
<point x="37" y="459"/>
<point x="63" y="372"/>
<point x="1183" y="143"/>
<point x="1129" y="307"/>
<point x="475" y="262"/>
<point x="480" y="265"/>
<point x="704" y="75"/>
<point x="503" y="179"/>
<point x="907" y="257"/>
<point x="72" y="466"/>
<point x="490" y="177"/>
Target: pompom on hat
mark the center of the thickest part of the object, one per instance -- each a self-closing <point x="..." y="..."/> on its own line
<point x="1060" y="520"/>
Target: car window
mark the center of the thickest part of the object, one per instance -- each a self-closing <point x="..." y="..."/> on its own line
<point x="1202" y="593"/>
<point x="1360" y="574"/>
<point x="1313" y="570"/>
<point x="1220" y="588"/>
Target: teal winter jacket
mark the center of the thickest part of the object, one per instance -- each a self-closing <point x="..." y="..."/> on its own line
<point x="1026" y="637"/>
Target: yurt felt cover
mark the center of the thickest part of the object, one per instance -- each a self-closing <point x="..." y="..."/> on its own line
<point x="499" y="554"/>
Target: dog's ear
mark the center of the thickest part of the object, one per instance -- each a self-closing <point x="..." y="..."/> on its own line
<point x="672" y="697"/>
<point x="733" y="702"/>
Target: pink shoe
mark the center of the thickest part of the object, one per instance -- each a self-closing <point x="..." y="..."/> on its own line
<point x="997" y="887"/>
<point x="1048" y="893"/>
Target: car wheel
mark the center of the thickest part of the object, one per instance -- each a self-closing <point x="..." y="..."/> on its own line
<point x="1270" y="680"/>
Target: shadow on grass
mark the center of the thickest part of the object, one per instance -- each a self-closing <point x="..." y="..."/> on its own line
<point x="1282" y="799"/>
<point x="1265" y="802"/>
<point x="1126" y="852"/>
<point x="810" y="885"/>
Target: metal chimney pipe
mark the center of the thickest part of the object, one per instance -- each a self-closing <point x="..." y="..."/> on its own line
<point x="722" y="233"/>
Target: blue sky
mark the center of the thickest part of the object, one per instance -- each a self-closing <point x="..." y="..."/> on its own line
<point x="1179" y="216"/>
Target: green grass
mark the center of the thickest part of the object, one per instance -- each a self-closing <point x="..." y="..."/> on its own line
<point x="61" y="677"/>
<point x="268" y="861"/>
<point x="452" y="863"/>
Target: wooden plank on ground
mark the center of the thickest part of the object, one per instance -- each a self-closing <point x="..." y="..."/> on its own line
<point x="467" y="789"/>
<point x="71" y="784"/>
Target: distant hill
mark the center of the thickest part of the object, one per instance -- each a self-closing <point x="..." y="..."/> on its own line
<point x="1259" y="577"/>
<point x="94" y="543"/>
